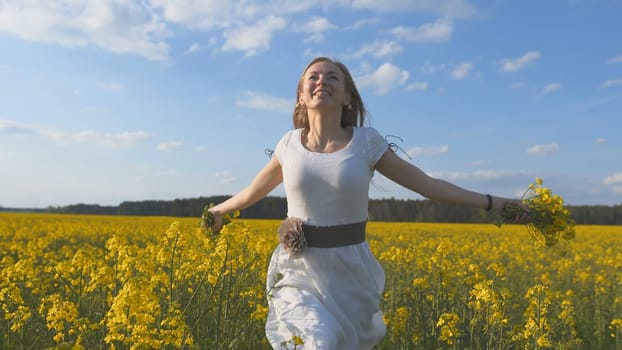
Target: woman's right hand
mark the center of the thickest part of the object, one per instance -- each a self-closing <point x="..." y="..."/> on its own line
<point x="218" y="219"/>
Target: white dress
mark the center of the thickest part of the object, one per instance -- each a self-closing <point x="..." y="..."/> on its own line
<point x="329" y="297"/>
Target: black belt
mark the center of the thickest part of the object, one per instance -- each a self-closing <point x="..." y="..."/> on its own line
<point x="334" y="236"/>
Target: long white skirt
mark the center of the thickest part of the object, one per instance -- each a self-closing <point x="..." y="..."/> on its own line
<point x="329" y="297"/>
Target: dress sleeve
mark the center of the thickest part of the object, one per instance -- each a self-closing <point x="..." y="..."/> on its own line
<point x="281" y="147"/>
<point x="376" y="145"/>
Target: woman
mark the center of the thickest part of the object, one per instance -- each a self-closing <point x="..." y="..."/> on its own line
<point x="329" y="294"/>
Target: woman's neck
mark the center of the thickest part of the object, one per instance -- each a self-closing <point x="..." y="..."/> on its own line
<point x="324" y="126"/>
<point x="325" y="133"/>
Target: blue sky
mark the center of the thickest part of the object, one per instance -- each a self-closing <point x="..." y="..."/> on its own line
<point x="114" y="100"/>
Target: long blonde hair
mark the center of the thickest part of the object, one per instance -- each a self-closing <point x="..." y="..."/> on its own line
<point x="350" y="116"/>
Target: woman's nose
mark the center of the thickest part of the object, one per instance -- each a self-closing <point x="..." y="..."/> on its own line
<point x="320" y="80"/>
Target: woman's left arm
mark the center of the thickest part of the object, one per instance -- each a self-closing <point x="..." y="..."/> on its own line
<point x="411" y="177"/>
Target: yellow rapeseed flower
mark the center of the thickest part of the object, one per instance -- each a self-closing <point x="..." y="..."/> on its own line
<point x="297" y="340"/>
<point x="447" y="322"/>
<point x="549" y="220"/>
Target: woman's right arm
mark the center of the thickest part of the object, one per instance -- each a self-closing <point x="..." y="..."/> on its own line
<point x="265" y="181"/>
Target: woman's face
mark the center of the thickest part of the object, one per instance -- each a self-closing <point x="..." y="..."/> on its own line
<point x="323" y="86"/>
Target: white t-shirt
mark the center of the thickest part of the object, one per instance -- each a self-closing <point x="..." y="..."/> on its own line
<point x="326" y="189"/>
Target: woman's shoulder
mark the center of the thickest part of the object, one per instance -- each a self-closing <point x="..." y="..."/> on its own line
<point x="367" y="128"/>
<point x="375" y="143"/>
<point x="369" y="132"/>
<point x="288" y="137"/>
<point x="290" y="134"/>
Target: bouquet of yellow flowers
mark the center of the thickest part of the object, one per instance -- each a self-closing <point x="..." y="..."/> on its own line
<point x="548" y="221"/>
<point x="207" y="218"/>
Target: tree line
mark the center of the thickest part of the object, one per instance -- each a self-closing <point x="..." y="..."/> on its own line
<point x="389" y="209"/>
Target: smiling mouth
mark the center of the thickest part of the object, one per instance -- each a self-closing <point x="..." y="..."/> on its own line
<point x="321" y="93"/>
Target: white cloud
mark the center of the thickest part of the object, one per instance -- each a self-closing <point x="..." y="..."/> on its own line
<point x="362" y="23"/>
<point x="551" y="87"/>
<point x="518" y="85"/>
<point x="314" y="38"/>
<point x="110" y="86"/>
<point x="316" y="28"/>
<point x="198" y="13"/>
<point x="613" y="179"/>
<point x="256" y="100"/>
<point x="462" y="70"/>
<point x="481" y="162"/>
<point x="221" y="14"/>
<point x="610" y="83"/>
<point x="417" y="85"/>
<point x="438" y="31"/>
<point x="115" y="26"/>
<point x="445" y="8"/>
<point x="88" y="137"/>
<point x="193" y="48"/>
<point x="543" y="148"/>
<point x="119" y="140"/>
<point x="478" y="175"/>
<point x="385" y="78"/>
<point x="514" y="64"/>
<point x="430" y="68"/>
<point x="13" y="128"/>
<point x="252" y="38"/>
<point x="617" y="59"/>
<point x="378" y="48"/>
<point x="169" y="146"/>
<point x="225" y="177"/>
<point x="601" y="140"/>
<point x="427" y="151"/>
<point x="143" y="27"/>
<point x="225" y="14"/>
<point x="128" y="137"/>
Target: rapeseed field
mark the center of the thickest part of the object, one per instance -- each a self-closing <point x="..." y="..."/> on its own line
<point x="110" y="282"/>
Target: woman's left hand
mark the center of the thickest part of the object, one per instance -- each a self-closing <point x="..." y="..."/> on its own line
<point x="521" y="210"/>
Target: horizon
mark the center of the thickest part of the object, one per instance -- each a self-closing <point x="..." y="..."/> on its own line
<point x="229" y="195"/>
<point x="119" y="100"/>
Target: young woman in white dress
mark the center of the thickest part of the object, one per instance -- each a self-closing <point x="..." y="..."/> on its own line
<point x="329" y="294"/>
